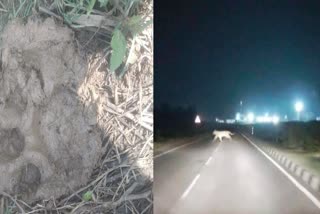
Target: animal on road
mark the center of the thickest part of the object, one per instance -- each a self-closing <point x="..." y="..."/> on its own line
<point x="221" y="135"/>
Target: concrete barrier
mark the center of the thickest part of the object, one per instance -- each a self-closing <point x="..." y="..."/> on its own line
<point x="294" y="167"/>
<point x="315" y="183"/>
<point x="287" y="163"/>
<point x="311" y="180"/>
<point x="283" y="159"/>
<point x="306" y="176"/>
<point x="299" y="171"/>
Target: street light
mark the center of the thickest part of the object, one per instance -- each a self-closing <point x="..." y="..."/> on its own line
<point x="250" y="117"/>
<point x="238" y="117"/>
<point x="197" y="120"/>
<point x="298" y="107"/>
<point x="275" y="119"/>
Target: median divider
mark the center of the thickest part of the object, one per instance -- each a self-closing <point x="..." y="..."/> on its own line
<point x="308" y="178"/>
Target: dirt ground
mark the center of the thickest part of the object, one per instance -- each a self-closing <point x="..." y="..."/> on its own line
<point x="75" y="137"/>
<point x="48" y="140"/>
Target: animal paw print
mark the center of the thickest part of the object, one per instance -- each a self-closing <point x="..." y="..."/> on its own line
<point x="12" y="143"/>
<point x="28" y="180"/>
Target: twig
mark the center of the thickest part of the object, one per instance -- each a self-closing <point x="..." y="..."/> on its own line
<point x="142" y="150"/>
<point x="45" y="10"/>
<point x="2" y="206"/>
<point x="12" y="199"/>
<point x="93" y="182"/>
<point x="91" y="37"/>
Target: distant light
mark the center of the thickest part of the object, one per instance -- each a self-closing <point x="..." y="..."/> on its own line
<point x="230" y="121"/>
<point x="264" y="119"/>
<point x="318" y="118"/>
<point x="260" y="119"/>
<point x="286" y="117"/>
<point x="298" y="106"/>
<point x="250" y="117"/>
<point x="219" y="120"/>
<point x="275" y="119"/>
<point x="197" y="120"/>
<point x="238" y="117"/>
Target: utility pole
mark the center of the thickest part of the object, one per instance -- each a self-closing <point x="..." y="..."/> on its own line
<point x="240" y="108"/>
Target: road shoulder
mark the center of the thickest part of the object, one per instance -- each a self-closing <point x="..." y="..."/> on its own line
<point x="295" y="164"/>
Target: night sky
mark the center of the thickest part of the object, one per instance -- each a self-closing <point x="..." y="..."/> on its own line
<point x="212" y="54"/>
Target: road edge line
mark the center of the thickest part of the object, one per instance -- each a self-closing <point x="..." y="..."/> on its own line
<point x="173" y="149"/>
<point x="291" y="178"/>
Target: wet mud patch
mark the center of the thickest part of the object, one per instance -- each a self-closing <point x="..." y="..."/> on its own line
<point x="49" y="143"/>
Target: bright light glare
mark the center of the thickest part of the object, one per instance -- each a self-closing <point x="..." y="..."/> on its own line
<point x="197" y="120"/>
<point x="250" y="117"/>
<point x="238" y="116"/>
<point x="275" y="119"/>
<point x="260" y="119"/>
<point x="230" y="121"/>
<point x="298" y="106"/>
<point x="264" y="119"/>
<point x="267" y="119"/>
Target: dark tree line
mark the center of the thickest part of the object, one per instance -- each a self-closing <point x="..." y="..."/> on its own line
<point x="302" y="135"/>
<point x="174" y="121"/>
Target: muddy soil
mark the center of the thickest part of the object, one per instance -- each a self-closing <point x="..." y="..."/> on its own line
<point x="49" y="141"/>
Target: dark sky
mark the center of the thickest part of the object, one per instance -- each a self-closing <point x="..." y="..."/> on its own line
<point x="212" y="54"/>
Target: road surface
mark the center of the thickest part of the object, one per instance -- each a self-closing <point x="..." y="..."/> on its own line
<point x="231" y="177"/>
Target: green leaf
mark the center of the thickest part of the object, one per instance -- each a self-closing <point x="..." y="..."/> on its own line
<point x="103" y="3"/>
<point x="90" y="6"/>
<point x="87" y="196"/>
<point x="119" y="47"/>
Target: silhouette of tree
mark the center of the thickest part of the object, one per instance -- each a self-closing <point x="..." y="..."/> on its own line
<point x="174" y="120"/>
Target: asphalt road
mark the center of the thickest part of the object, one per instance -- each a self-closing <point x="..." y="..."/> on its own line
<point x="231" y="177"/>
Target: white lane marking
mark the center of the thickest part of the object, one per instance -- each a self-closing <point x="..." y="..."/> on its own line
<point x="292" y="179"/>
<point x="190" y="187"/>
<point x="208" y="161"/>
<point x="176" y="148"/>
<point x="214" y="151"/>
<point x="186" y="192"/>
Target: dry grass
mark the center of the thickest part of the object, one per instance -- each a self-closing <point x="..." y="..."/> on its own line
<point x="122" y="180"/>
